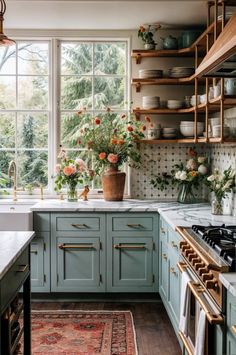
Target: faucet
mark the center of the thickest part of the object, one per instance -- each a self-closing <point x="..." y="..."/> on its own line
<point x="12" y="163"/>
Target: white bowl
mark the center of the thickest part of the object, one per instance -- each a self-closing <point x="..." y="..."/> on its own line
<point x="215" y="121"/>
<point x="189" y="131"/>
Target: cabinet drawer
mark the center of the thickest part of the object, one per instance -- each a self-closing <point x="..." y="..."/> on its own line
<point x="231" y="313"/>
<point x="132" y="224"/>
<point x="76" y="224"/>
<point x="14" y="278"/>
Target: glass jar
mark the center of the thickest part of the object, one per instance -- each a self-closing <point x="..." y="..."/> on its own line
<point x="185" y="194"/>
<point x="217" y="206"/>
<point x="72" y="191"/>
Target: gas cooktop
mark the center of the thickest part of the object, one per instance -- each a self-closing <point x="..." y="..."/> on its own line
<point x="221" y="241"/>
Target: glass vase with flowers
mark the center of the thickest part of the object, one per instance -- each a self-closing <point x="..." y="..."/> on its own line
<point x="70" y="173"/>
<point x="186" y="176"/>
<point x="113" y="140"/>
<point x="220" y="184"/>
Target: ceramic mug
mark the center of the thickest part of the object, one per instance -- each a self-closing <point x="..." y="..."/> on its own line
<point x="230" y="86"/>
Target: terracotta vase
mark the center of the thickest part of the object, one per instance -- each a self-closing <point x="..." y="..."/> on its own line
<point x="113" y="184"/>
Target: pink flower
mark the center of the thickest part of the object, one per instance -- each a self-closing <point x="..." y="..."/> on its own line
<point x="79" y="162"/>
<point x="69" y="170"/>
<point x="58" y="168"/>
<point x="112" y="158"/>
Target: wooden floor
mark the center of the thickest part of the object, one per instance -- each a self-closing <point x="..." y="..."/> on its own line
<point x="155" y="335"/>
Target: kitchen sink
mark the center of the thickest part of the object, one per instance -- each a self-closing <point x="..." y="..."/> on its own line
<point x="16" y="217"/>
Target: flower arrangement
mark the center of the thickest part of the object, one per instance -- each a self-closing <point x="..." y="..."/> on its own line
<point x="147" y="34"/>
<point x="185" y="176"/>
<point x="70" y="172"/>
<point x="221" y="184"/>
<point x="112" y="138"/>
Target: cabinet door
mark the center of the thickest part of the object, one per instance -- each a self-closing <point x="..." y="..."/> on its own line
<point x="77" y="265"/>
<point x="174" y="286"/>
<point x="231" y="344"/>
<point x="163" y="269"/>
<point x="132" y="264"/>
<point x="40" y="263"/>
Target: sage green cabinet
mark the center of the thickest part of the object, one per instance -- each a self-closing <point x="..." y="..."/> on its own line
<point x="40" y="254"/>
<point x="231" y="324"/>
<point x="78" y="252"/>
<point x="132" y="258"/>
<point x="169" y="274"/>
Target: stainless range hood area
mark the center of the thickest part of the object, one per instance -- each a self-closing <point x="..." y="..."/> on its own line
<point x="221" y="59"/>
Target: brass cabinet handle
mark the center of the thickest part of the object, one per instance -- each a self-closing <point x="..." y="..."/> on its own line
<point x="22" y="268"/>
<point x="133" y="225"/>
<point x="233" y="328"/>
<point x="125" y="246"/>
<point x="75" y="246"/>
<point x="79" y="225"/>
<point x="162" y="230"/>
<point x="164" y="256"/>
<point x="172" y="270"/>
<point x="34" y="251"/>
<point x="174" y="245"/>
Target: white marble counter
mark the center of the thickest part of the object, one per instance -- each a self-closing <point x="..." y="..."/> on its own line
<point x="12" y="245"/>
<point x="229" y="282"/>
<point x="175" y="214"/>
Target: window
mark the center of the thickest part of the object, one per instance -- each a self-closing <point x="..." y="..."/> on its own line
<point x="24" y="111"/>
<point x="92" y="75"/>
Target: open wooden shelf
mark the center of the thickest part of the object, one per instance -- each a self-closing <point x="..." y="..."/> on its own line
<point x="164" y="111"/>
<point x="188" y="140"/>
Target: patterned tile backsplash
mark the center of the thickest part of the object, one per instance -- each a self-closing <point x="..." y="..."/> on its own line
<point x="157" y="159"/>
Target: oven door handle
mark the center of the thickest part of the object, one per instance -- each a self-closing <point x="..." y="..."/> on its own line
<point x="186" y="343"/>
<point x="197" y="290"/>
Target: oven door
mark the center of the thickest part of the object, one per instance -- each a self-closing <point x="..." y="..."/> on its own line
<point x="204" y="320"/>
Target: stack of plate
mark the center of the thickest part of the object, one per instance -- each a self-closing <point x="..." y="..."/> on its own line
<point x="181" y="72"/>
<point x="150" y="73"/>
<point x="169" y="133"/>
<point x="150" y="102"/>
<point x="187" y="128"/>
<point x="174" y="104"/>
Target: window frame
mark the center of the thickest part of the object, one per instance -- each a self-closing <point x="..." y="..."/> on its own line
<point x="54" y="109"/>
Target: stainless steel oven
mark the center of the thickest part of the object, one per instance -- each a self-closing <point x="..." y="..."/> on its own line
<point x="205" y="310"/>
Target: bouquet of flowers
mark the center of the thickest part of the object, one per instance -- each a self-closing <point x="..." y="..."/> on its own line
<point x="220" y="184"/>
<point x="147" y="33"/>
<point x="185" y="176"/>
<point x="70" y="172"/>
<point x="112" y="139"/>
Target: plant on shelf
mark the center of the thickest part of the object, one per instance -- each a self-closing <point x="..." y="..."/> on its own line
<point x="70" y="173"/>
<point x="112" y="138"/>
<point x="184" y="176"/>
<point x="221" y="184"/>
<point x="147" y="35"/>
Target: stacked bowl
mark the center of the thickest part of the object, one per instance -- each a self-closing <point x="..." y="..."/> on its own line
<point x="150" y="102"/>
<point x="187" y="128"/>
<point x="181" y="72"/>
<point x="174" y="104"/>
<point x="150" y="73"/>
<point x="169" y="132"/>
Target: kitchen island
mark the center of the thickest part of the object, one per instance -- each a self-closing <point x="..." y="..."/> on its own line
<point x="14" y="273"/>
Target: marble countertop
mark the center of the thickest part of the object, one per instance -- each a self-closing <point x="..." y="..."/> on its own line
<point x="229" y="282"/>
<point x="12" y="245"/>
<point x="174" y="213"/>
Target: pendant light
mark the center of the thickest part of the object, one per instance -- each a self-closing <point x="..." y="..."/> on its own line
<point x="4" y="40"/>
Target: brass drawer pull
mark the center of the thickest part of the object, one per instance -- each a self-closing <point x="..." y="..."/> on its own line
<point x="79" y="225"/>
<point x="22" y="268"/>
<point x="163" y="230"/>
<point x="131" y="225"/>
<point x="233" y="328"/>
<point x="174" y="245"/>
<point x="172" y="270"/>
<point x="76" y="246"/>
<point x="34" y="251"/>
<point x="164" y="256"/>
<point x="124" y="246"/>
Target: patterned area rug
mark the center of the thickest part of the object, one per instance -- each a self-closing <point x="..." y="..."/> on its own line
<point x="83" y="333"/>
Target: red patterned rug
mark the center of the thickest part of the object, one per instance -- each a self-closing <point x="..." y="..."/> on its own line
<point x="83" y="333"/>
